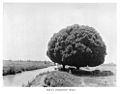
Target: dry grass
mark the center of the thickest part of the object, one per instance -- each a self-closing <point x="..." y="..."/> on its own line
<point x="65" y="79"/>
<point x="13" y="67"/>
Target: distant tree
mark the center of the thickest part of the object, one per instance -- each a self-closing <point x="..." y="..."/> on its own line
<point x="78" y="46"/>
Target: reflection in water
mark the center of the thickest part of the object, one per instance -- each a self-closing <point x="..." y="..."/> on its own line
<point x="23" y="78"/>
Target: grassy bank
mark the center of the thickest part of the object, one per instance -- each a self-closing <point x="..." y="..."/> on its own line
<point x="13" y="67"/>
<point x="105" y="77"/>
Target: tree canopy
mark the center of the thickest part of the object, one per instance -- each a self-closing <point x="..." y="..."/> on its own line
<point x="77" y="45"/>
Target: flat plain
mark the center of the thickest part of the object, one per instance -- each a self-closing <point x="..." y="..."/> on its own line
<point x="18" y="66"/>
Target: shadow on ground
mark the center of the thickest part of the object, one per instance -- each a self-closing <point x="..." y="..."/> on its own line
<point x="87" y="73"/>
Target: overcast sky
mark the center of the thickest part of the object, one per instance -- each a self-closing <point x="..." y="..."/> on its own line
<point x="29" y="27"/>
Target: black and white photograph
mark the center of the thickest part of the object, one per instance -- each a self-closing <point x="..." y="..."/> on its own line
<point x="59" y="44"/>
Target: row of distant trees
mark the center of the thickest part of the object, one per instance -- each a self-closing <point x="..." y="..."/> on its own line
<point x="26" y="60"/>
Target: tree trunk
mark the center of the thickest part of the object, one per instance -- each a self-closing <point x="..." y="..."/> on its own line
<point x="77" y="68"/>
<point x="63" y="66"/>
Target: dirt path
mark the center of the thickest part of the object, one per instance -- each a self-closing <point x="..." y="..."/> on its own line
<point x="42" y="80"/>
<point x="42" y="75"/>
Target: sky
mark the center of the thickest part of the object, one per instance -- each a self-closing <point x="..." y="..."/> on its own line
<point x="28" y="27"/>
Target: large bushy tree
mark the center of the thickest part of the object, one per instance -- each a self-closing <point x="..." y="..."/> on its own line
<point x="78" y="46"/>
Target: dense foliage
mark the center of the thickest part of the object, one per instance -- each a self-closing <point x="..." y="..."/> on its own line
<point x="78" y="46"/>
